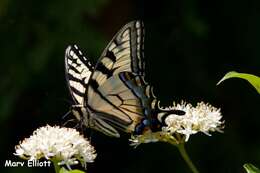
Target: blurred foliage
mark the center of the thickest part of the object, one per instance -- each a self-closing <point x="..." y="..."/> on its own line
<point x="189" y="46"/>
<point x="251" y="168"/>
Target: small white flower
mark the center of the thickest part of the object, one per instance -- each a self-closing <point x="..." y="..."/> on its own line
<point x="61" y="144"/>
<point x="202" y="118"/>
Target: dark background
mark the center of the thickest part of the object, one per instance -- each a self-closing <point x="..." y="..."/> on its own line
<point x="189" y="46"/>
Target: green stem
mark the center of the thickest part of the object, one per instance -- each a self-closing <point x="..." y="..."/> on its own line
<point x="56" y="167"/>
<point x="186" y="157"/>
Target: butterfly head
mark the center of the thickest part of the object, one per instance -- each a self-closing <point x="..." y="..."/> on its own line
<point x="80" y="113"/>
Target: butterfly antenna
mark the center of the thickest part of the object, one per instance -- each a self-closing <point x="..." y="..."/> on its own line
<point x="78" y="125"/>
<point x="66" y="114"/>
<point x="68" y="121"/>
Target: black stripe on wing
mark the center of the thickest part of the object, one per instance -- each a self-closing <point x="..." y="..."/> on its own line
<point x="78" y="70"/>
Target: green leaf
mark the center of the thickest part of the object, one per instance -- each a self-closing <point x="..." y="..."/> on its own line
<point x="252" y="79"/>
<point x="63" y="170"/>
<point x="251" y="168"/>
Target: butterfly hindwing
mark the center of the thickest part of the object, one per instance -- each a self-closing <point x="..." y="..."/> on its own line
<point x="121" y="101"/>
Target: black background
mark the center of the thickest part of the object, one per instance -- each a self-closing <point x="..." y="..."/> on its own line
<point x="189" y="46"/>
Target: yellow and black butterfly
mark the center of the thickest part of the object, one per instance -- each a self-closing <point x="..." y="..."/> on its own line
<point x="113" y="94"/>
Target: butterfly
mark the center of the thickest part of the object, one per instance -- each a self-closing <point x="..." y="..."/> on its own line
<point x="112" y="94"/>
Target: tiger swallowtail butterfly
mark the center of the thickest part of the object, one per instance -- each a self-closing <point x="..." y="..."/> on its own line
<point x="112" y="94"/>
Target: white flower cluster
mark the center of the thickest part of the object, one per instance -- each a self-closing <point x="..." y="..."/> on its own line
<point x="202" y="118"/>
<point x="64" y="145"/>
<point x="178" y="128"/>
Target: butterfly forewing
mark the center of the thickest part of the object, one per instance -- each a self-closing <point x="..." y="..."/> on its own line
<point x="123" y="53"/>
<point x="107" y="92"/>
<point x="78" y="70"/>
